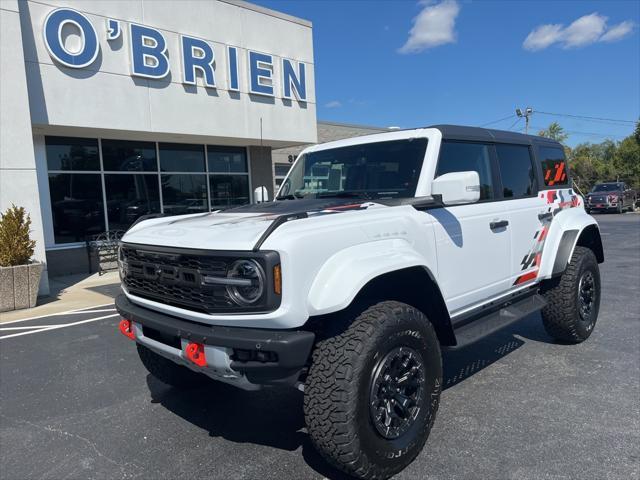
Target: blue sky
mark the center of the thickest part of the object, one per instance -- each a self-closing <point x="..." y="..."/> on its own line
<point x="414" y="63"/>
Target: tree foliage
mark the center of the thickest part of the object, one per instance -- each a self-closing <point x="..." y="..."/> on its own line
<point x="16" y="247"/>
<point x="555" y="132"/>
<point x="592" y="163"/>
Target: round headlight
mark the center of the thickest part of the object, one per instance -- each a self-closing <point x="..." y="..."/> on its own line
<point x="252" y="272"/>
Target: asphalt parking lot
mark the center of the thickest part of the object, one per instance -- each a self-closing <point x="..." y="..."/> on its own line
<point x="75" y="402"/>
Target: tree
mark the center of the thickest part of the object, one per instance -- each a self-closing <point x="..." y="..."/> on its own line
<point x="16" y="248"/>
<point x="636" y="134"/>
<point x="626" y="160"/>
<point x="555" y="132"/>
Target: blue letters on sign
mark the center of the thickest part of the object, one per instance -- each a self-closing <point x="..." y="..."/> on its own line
<point x="113" y="29"/>
<point x="197" y="54"/>
<point x="53" y="25"/>
<point x="148" y="52"/>
<point x="232" y="55"/>
<point x="149" y="57"/>
<point x="260" y="68"/>
<point x="291" y="81"/>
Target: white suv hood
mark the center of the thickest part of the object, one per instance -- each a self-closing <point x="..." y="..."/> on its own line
<point x="238" y="228"/>
<point x="217" y="231"/>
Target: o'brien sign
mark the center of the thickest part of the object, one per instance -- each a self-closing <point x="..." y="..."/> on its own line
<point x="148" y="52"/>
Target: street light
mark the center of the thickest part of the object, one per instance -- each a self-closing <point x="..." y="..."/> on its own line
<point x="527" y="113"/>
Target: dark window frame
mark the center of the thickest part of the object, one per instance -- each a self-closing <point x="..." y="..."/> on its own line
<point x="542" y="186"/>
<point x="534" y="169"/>
<point x="493" y="167"/>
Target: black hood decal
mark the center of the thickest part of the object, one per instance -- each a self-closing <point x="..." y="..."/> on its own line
<point x="290" y="207"/>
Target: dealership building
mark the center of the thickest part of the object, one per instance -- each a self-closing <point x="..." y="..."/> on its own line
<point x="115" y="109"/>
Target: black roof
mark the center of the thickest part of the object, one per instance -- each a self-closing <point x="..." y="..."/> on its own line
<point x="458" y="132"/>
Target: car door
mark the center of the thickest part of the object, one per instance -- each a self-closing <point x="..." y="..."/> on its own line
<point x="526" y="210"/>
<point x="472" y="241"/>
<point x="532" y="201"/>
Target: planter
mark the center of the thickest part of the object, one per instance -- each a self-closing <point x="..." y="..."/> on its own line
<point x="19" y="286"/>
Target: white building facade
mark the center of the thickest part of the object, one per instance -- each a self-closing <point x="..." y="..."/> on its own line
<point x="115" y="109"/>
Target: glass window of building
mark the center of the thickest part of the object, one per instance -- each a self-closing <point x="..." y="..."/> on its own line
<point x="184" y="193"/>
<point x="181" y="157"/>
<point x="228" y="190"/>
<point x="128" y="156"/>
<point x="280" y="171"/>
<point x="130" y="196"/>
<point x="227" y="159"/>
<point x="228" y="176"/>
<point x="76" y="206"/>
<point x="65" y="153"/>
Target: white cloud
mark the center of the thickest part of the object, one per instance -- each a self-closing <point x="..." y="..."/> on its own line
<point x="583" y="31"/>
<point x="433" y="26"/>
<point x="333" y="104"/>
<point x="543" y="36"/>
<point x="618" y="31"/>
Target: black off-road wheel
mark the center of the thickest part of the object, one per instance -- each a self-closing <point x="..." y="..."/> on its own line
<point x="169" y="372"/>
<point x="373" y="390"/>
<point x="574" y="300"/>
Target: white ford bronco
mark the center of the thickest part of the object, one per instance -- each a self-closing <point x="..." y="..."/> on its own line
<point x="377" y="253"/>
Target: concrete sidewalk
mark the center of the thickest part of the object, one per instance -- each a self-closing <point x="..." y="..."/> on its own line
<point x="71" y="292"/>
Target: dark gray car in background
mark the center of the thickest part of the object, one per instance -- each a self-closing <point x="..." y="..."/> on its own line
<point x="611" y="196"/>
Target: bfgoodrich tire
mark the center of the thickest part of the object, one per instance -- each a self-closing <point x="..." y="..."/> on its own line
<point x="573" y="301"/>
<point x="373" y="391"/>
<point x="169" y="372"/>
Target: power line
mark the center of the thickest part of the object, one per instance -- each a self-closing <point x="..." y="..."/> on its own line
<point x="514" y="123"/>
<point x="497" y="121"/>
<point x="585" y="117"/>
<point x="592" y="134"/>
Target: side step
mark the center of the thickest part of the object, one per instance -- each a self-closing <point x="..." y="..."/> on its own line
<point x="491" y="323"/>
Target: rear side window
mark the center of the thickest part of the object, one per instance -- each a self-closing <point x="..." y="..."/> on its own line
<point x="465" y="157"/>
<point x="554" y="166"/>
<point x="516" y="170"/>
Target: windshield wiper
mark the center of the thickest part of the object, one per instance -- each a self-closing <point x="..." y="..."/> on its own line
<point x="345" y="194"/>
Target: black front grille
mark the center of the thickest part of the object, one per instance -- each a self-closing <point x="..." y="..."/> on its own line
<point x="174" y="277"/>
<point x="598" y="199"/>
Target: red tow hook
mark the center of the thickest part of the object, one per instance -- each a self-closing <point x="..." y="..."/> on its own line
<point x="195" y="353"/>
<point x="126" y="328"/>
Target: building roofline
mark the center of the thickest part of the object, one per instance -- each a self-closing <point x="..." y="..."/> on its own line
<point x="353" y="125"/>
<point x="268" y="11"/>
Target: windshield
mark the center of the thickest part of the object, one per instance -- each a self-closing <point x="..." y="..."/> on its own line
<point x="370" y="170"/>
<point x="607" y="187"/>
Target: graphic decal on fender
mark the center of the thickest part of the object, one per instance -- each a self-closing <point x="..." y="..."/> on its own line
<point x="342" y="208"/>
<point x="557" y="200"/>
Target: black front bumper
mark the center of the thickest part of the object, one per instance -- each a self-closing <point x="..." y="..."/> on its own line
<point x="292" y="347"/>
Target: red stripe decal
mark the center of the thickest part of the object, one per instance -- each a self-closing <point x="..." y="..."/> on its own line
<point x="526" y="277"/>
<point x="543" y="234"/>
<point x="559" y="172"/>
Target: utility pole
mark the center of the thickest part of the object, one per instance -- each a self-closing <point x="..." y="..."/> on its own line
<point x="527" y="113"/>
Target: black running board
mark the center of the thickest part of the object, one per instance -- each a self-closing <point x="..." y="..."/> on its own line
<point x="491" y="323"/>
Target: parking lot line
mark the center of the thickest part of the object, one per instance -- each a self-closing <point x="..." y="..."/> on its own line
<point x="68" y="312"/>
<point x="31" y="327"/>
<point x="56" y="327"/>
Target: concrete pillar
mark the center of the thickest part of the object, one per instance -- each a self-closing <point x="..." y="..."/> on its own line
<point x="261" y="169"/>
<point x="18" y="181"/>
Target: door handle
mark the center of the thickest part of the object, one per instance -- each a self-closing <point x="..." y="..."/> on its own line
<point x="499" y="224"/>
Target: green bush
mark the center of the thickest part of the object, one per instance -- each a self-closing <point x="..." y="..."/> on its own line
<point x="16" y="248"/>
